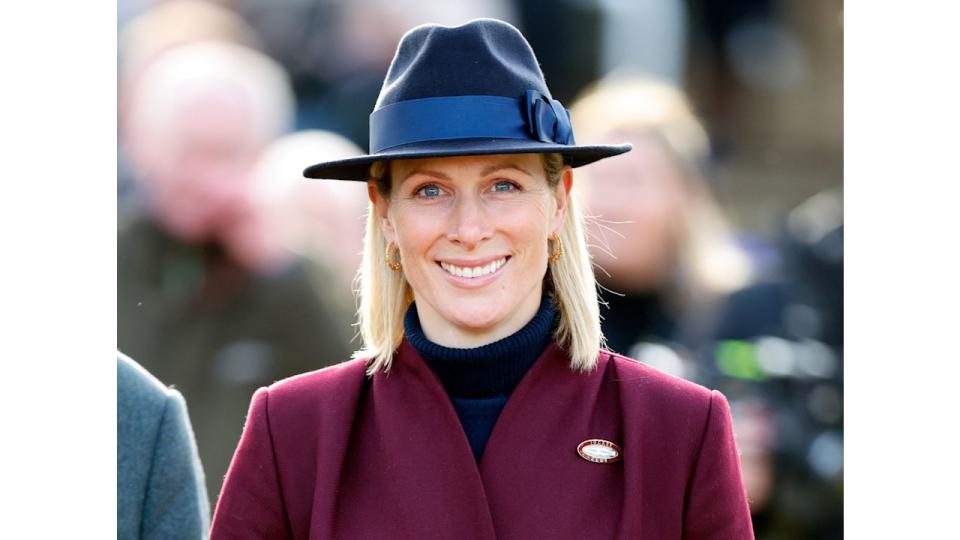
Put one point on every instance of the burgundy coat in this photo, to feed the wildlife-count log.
(335, 454)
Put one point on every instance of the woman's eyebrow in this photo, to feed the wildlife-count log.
(425, 172)
(499, 166)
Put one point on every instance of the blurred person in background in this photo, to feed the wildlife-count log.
(160, 488)
(161, 27)
(209, 299)
(663, 247)
(319, 220)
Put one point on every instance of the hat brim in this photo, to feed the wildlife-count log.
(358, 168)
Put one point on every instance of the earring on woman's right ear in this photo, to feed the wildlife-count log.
(557, 251)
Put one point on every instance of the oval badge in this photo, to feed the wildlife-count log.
(599, 451)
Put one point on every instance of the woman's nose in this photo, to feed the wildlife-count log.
(469, 223)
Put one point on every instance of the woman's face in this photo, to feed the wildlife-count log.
(473, 238)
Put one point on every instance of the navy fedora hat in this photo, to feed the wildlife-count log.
(473, 89)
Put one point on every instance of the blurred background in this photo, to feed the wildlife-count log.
(718, 241)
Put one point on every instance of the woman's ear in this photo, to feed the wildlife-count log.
(562, 195)
(381, 206)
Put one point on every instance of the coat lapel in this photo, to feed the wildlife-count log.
(411, 461)
(536, 483)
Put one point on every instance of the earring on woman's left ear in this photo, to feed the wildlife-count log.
(388, 255)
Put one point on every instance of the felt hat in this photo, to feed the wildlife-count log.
(468, 90)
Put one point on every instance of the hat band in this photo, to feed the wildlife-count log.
(534, 117)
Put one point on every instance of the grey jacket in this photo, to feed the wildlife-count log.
(160, 486)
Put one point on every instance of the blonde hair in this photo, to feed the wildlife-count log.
(385, 294)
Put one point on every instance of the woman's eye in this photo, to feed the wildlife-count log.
(503, 186)
(429, 192)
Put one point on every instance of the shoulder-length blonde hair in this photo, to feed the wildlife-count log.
(385, 294)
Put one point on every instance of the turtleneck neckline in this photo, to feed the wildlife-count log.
(490, 370)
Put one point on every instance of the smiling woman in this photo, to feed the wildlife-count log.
(483, 404)
(454, 219)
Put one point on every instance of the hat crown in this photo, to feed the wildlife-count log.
(474, 89)
(484, 57)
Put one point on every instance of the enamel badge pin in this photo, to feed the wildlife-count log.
(599, 451)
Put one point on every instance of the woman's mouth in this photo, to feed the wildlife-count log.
(471, 272)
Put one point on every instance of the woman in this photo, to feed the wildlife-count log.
(483, 405)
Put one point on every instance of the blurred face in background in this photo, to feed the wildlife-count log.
(642, 196)
(324, 220)
(473, 238)
(196, 164)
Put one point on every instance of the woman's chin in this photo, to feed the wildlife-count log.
(477, 322)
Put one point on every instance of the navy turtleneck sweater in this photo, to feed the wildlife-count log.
(479, 380)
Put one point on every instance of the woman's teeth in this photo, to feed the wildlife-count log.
(475, 271)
